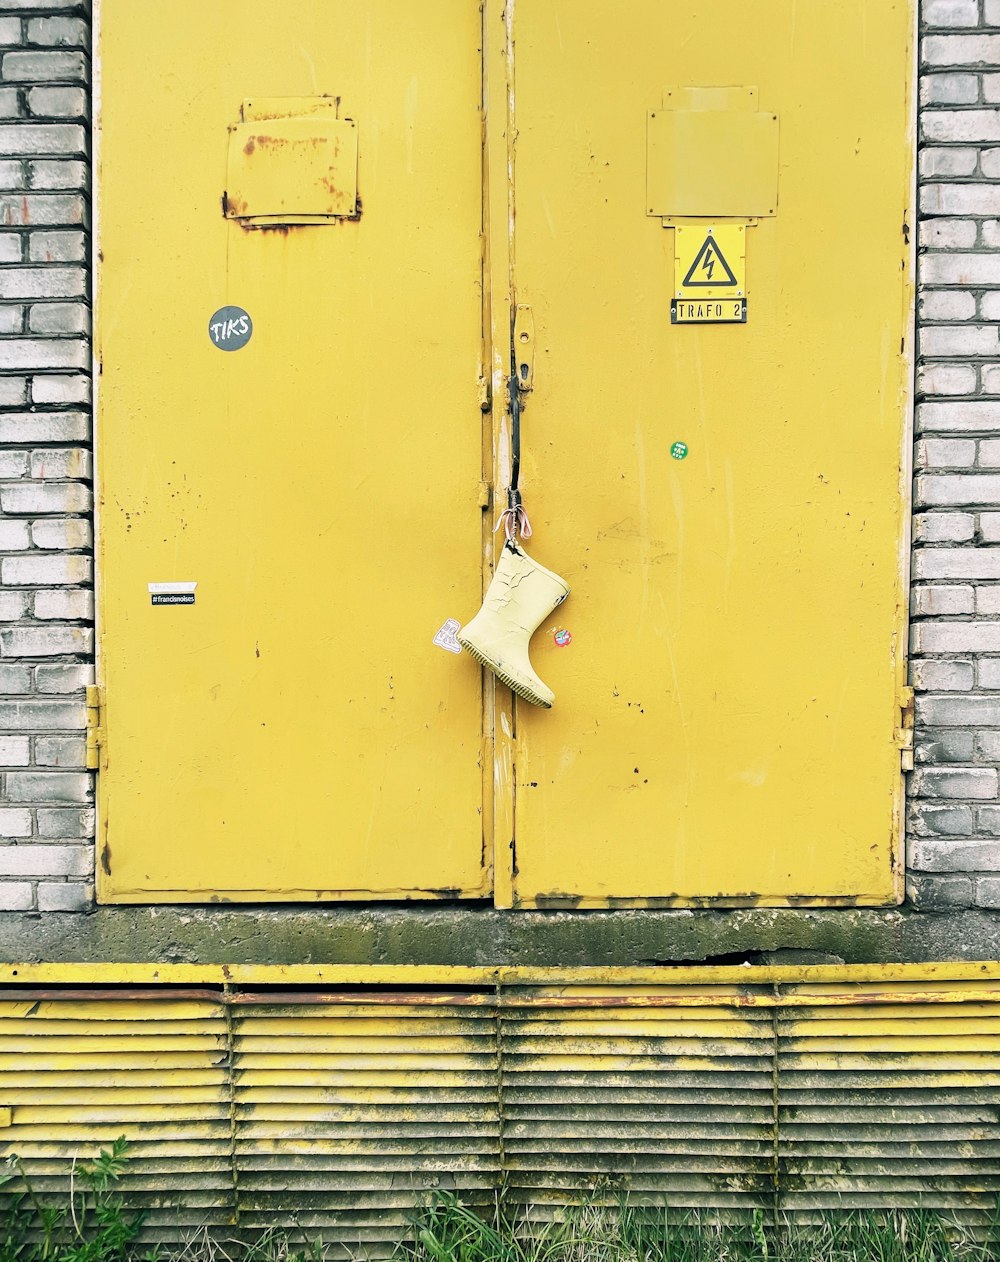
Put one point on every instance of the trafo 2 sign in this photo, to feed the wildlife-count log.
(709, 274)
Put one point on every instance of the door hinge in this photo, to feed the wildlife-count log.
(485, 390)
(485, 495)
(95, 732)
(904, 733)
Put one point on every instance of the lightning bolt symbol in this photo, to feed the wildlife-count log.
(708, 263)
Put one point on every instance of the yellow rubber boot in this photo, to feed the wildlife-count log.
(521, 595)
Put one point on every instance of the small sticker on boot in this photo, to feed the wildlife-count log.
(445, 638)
(562, 637)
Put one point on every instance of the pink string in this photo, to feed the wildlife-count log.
(515, 522)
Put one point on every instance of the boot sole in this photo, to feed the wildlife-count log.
(521, 690)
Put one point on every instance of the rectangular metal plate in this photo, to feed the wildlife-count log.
(287, 168)
(712, 163)
(708, 311)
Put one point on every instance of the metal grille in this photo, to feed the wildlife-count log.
(351, 1109)
(886, 1103)
(79, 1070)
(665, 1097)
(339, 1113)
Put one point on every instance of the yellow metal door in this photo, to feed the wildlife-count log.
(727, 500)
(293, 732)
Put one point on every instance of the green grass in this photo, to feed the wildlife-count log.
(91, 1223)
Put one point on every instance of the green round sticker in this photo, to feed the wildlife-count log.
(679, 451)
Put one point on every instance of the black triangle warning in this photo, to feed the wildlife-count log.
(710, 265)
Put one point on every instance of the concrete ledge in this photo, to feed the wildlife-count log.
(485, 937)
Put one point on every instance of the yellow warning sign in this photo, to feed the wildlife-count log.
(709, 274)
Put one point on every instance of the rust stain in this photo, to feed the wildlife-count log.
(106, 858)
(249, 147)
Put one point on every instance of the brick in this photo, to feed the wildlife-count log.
(989, 453)
(57, 823)
(929, 563)
(66, 462)
(64, 535)
(12, 606)
(991, 87)
(989, 161)
(942, 378)
(988, 598)
(14, 751)
(60, 390)
(989, 527)
(48, 138)
(989, 307)
(991, 378)
(991, 12)
(987, 746)
(942, 339)
(41, 210)
(938, 854)
(947, 304)
(69, 605)
(42, 497)
(48, 786)
(13, 464)
(51, 173)
(11, 320)
(941, 711)
(961, 50)
(923, 892)
(957, 199)
(61, 751)
(939, 453)
(43, 67)
(943, 527)
(933, 675)
(954, 782)
(934, 601)
(14, 679)
(944, 13)
(947, 234)
(970, 417)
(67, 32)
(949, 89)
(41, 860)
(943, 637)
(956, 126)
(13, 535)
(13, 391)
(59, 317)
(948, 161)
(934, 745)
(43, 716)
(960, 269)
(988, 891)
(989, 672)
(10, 247)
(933, 820)
(50, 641)
(15, 822)
(42, 282)
(10, 30)
(62, 679)
(60, 247)
(11, 174)
(72, 103)
(18, 354)
(16, 896)
(948, 489)
(988, 820)
(45, 569)
(44, 427)
(65, 895)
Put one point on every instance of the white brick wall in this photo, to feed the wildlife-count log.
(46, 597)
(46, 602)
(954, 812)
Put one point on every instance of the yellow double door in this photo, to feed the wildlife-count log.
(726, 500)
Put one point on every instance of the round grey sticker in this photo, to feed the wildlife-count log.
(230, 328)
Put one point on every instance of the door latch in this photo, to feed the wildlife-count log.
(524, 348)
